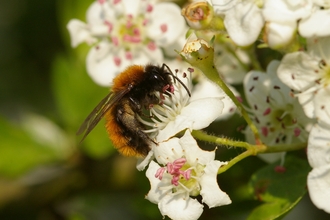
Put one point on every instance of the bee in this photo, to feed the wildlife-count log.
(133, 91)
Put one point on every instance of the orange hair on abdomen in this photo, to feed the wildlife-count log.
(115, 132)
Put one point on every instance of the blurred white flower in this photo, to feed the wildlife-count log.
(243, 20)
(126, 32)
(226, 61)
(281, 18)
(317, 24)
(318, 152)
(185, 170)
(278, 115)
(307, 73)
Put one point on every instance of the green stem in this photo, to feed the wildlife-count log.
(285, 147)
(254, 59)
(213, 75)
(233, 161)
(251, 150)
(200, 135)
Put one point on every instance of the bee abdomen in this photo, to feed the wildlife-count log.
(125, 131)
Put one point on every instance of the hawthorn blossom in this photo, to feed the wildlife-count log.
(179, 112)
(281, 18)
(307, 74)
(125, 32)
(243, 20)
(278, 115)
(184, 170)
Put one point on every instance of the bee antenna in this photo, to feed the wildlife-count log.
(176, 78)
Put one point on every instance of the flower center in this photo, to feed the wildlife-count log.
(128, 31)
(283, 118)
(183, 176)
(323, 65)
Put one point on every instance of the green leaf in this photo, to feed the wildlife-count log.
(279, 191)
(76, 96)
(19, 152)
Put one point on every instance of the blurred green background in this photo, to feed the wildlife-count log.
(45, 95)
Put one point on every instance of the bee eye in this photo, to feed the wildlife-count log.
(157, 77)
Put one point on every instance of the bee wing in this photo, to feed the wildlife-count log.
(98, 112)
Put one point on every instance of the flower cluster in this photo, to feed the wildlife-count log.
(124, 32)
(287, 102)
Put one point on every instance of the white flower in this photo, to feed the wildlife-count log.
(282, 18)
(307, 73)
(186, 171)
(230, 69)
(243, 20)
(126, 32)
(179, 112)
(279, 116)
(318, 152)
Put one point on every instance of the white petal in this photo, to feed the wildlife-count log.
(244, 23)
(167, 14)
(131, 7)
(168, 151)
(171, 49)
(142, 163)
(203, 112)
(227, 64)
(318, 182)
(222, 6)
(256, 87)
(180, 208)
(280, 34)
(319, 49)
(297, 71)
(97, 13)
(212, 195)
(144, 56)
(100, 64)
(205, 88)
(155, 193)
(316, 25)
(284, 11)
(282, 95)
(79, 33)
(318, 150)
(193, 153)
(195, 116)
(306, 100)
(322, 105)
(322, 3)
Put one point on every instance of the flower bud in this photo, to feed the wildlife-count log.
(198, 15)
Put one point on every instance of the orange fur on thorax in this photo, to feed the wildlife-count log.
(132, 74)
